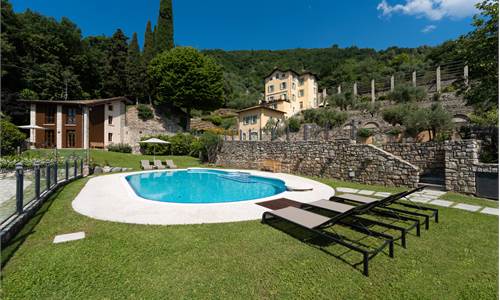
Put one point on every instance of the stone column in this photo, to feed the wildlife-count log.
(59, 127)
(438, 79)
(85, 127)
(355, 89)
(339, 89)
(324, 97)
(373, 90)
(414, 78)
(32, 123)
(392, 83)
(466, 75)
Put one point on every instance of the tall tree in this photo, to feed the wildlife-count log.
(135, 69)
(164, 36)
(187, 79)
(149, 47)
(481, 50)
(115, 82)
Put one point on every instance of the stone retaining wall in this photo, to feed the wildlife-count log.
(429, 157)
(335, 159)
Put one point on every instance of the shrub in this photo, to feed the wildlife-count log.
(214, 119)
(122, 148)
(393, 131)
(159, 149)
(10, 137)
(228, 122)
(325, 117)
(144, 112)
(365, 132)
(406, 94)
(211, 144)
(28, 94)
(293, 124)
(180, 144)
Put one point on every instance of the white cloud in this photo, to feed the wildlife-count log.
(428, 28)
(431, 9)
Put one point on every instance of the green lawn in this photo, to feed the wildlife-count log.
(456, 259)
(115, 159)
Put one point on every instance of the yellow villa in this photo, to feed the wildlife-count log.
(252, 120)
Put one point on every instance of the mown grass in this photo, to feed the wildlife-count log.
(455, 259)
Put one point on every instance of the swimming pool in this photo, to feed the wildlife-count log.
(203, 186)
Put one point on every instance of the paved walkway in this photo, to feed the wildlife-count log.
(428, 197)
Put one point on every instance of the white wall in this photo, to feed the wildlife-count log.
(116, 128)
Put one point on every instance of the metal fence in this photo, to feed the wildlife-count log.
(26, 185)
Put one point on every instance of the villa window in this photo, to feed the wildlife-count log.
(283, 86)
(301, 82)
(301, 93)
(283, 75)
(277, 75)
(283, 97)
(274, 106)
(110, 137)
(270, 89)
(71, 116)
(110, 120)
(293, 85)
(110, 107)
(50, 115)
(293, 97)
(271, 98)
(244, 136)
(301, 104)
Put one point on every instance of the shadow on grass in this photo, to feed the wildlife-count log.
(29, 228)
(319, 242)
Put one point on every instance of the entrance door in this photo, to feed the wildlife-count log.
(70, 139)
(49, 138)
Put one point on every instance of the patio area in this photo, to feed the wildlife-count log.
(457, 258)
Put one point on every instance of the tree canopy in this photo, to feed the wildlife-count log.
(188, 79)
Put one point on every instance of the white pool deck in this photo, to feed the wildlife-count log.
(111, 198)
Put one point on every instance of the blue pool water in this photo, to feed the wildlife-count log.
(203, 186)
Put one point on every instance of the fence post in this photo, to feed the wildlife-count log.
(250, 134)
(67, 169)
(466, 75)
(438, 79)
(355, 89)
(19, 188)
(373, 90)
(55, 172)
(241, 134)
(414, 78)
(76, 169)
(36, 166)
(81, 167)
(47, 174)
(392, 83)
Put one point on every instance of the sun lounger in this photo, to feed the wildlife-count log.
(158, 164)
(145, 165)
(340, 208)
(393, 199)
(315, 223)
(170, 164)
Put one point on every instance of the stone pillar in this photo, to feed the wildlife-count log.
(86, 127)
(392, 83)
(438, 79)
(32, 123)
(339, 89)
(324, 97)
(59, 127)
(466, 75)
(414, 78)
(355, 89)
(373, 90)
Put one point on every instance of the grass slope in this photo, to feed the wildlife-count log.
(456, 259)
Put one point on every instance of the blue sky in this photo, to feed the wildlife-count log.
(278, 24)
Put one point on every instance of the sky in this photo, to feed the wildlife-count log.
(277, 24)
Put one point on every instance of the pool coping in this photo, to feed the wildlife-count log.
(111, 198)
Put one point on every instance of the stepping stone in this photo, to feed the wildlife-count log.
(467, 207)
(69, 237)
(419, 199)
(490, 211)
(434, 193)
(366, 192)
(382, 194)
(346, 190)
(441, 203)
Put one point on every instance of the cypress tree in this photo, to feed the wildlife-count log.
(149, 47)
(135, 69)
(164, 37)
(115, 80)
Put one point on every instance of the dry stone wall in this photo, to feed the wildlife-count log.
(429, 157)
(340, 160)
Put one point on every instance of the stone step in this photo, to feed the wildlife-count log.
(431, 186)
